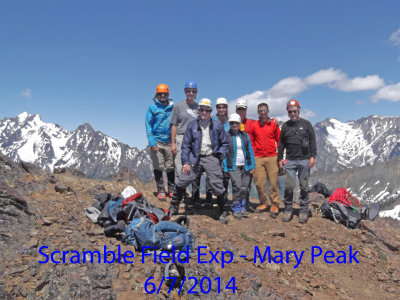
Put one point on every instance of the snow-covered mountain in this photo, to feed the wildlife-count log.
(356, 143)
(362, 155)
(28, 138)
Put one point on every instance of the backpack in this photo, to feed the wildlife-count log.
(343, 207)
(137, 206)
(161, 236)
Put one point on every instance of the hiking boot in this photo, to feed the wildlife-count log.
(244, 214)
(162, 196)
(189, 207)
(173, 209)
(261, 208)
(237, 215)
(303, 217)
(223, 218)
(208, 205)
(274, 211)
(287, 215)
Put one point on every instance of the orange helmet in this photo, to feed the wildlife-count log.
(292, 102)
(162, 88)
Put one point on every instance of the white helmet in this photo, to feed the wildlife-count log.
(205, 102)
(221, 101)
(241, 103)
(235, 118)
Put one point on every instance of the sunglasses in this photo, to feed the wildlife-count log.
(191, 91)
(292, 111)
(221, 107)
(241, 108)
(262, 110)
(162, 94)
(205, 110)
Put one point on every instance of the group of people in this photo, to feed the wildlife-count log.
(186, 140)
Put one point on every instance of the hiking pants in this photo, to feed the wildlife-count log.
(177, 159)
(212, 166)
(163, 159)
(196, 189)
(158, 176)
(240, 182)
(302, 169)
(267, 167)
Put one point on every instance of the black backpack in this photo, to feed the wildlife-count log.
(339, 213)
(344, 208)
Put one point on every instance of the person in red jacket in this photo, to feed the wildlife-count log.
(264, 135)
(241, 110)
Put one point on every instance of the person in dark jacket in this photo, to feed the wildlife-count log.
(203, 149)
(238, 165)
(158, 131)
(298, 139)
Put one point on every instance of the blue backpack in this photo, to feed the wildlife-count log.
(161, 236)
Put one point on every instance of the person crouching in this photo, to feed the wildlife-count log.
(203, 149)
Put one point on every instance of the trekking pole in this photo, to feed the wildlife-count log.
(130, 213)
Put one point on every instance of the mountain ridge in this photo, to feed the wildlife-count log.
(341, 146)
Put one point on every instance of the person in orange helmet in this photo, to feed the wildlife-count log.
(158, 131)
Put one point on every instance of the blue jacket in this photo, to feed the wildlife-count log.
(158, 128)
(191, 144)
(226, 124)
(249, 159)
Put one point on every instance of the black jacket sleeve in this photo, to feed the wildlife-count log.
(281, 146)
(312, 140)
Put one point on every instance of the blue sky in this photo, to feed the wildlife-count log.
(100, 61)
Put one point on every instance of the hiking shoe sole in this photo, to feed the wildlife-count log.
(237, 215)
(273, 214)
(303, 218)
(287, 216)
(260, 209)
(245, 214)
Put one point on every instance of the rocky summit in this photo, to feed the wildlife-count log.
(254, 258)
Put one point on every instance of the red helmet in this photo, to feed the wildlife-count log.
(162, 88)
(292, 102)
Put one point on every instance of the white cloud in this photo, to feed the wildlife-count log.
(371, 82)
(395, 37)
(288, 88)
(325, 76)
(389, 92)
(26, 93)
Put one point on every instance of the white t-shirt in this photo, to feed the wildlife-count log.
(239, 152)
